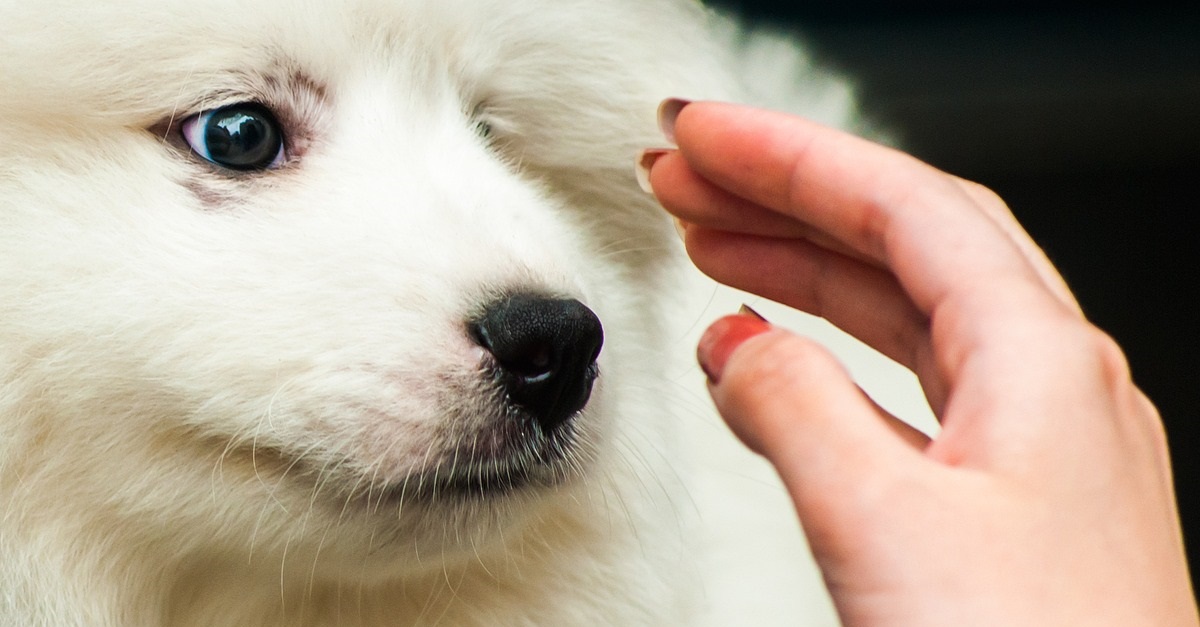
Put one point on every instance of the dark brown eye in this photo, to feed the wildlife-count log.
(244, 136)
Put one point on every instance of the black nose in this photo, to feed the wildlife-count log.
(546, 349)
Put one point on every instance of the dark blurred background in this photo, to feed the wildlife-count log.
(1086, 119)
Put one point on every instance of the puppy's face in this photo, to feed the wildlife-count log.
(330, 279)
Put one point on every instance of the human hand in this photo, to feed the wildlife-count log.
(1046, 498)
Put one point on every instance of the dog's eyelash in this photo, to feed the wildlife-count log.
(483, 121)
(483, 128)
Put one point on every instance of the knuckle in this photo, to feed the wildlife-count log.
(984, 195)
(1094, 355)
(1112, 357)
(1108, 357)
(1157, 430)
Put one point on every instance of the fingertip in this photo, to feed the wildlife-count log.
(754, 387)
(723, 337)
(644, 164)
(790, 399)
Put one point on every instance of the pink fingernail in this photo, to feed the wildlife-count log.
(668, 111)
(643, 165)
(723, 337)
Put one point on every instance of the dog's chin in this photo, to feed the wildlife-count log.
(473, 461)
(535, 463)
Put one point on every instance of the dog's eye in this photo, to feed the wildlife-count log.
(242, 136)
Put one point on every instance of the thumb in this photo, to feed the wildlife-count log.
(790, 400)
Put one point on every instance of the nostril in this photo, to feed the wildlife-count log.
(529, 356)
(546, 350)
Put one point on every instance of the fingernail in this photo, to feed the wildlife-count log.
(745, 310)
(680, 228)
(668, 110)
(644, 163)
(723, 337)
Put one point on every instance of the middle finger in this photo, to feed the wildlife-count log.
(863, 300)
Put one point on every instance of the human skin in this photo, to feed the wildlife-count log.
(1045, 499)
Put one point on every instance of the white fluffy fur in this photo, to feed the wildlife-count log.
(198, 369)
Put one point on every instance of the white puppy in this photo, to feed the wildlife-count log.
(351, 313)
